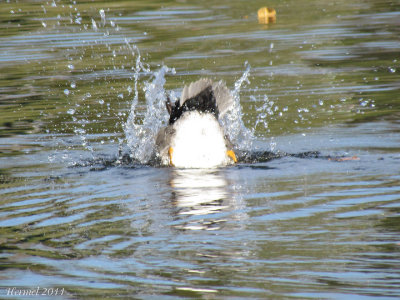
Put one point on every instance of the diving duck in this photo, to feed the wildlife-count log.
(194, 137)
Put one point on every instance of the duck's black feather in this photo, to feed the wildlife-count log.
(204, 101)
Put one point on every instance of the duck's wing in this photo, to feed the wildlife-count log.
(202, 102)
(194, 89)
(163, 140)
(221, 93)
(223, 97)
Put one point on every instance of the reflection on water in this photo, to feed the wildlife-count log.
(199, 192)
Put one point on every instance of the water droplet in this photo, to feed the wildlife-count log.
(121, 96)
(66, 92)
(71, 111)
(44, 24)
(80, 131)
(71, 66)
(73, 85)
(303, 110)
(392, 70)
(321, 102)
(103, 16)
(101, 101)
(94, 25)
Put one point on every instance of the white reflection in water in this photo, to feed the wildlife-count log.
(199, 195)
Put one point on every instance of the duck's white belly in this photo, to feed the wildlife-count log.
(198, 142)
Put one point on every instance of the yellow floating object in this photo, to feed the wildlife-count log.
(266, 15)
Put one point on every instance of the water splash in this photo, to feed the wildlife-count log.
(94, 26)
(146, 117)
(103, 17)
(237, 132)
(141, 131)
(264, 111)
(141, 136)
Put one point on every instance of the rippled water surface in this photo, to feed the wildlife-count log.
(310, 211)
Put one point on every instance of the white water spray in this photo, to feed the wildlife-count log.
(141, 135)
(147, 117)
(239, 135)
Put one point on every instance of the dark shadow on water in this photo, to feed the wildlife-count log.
(255, 157)
(250, 159)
